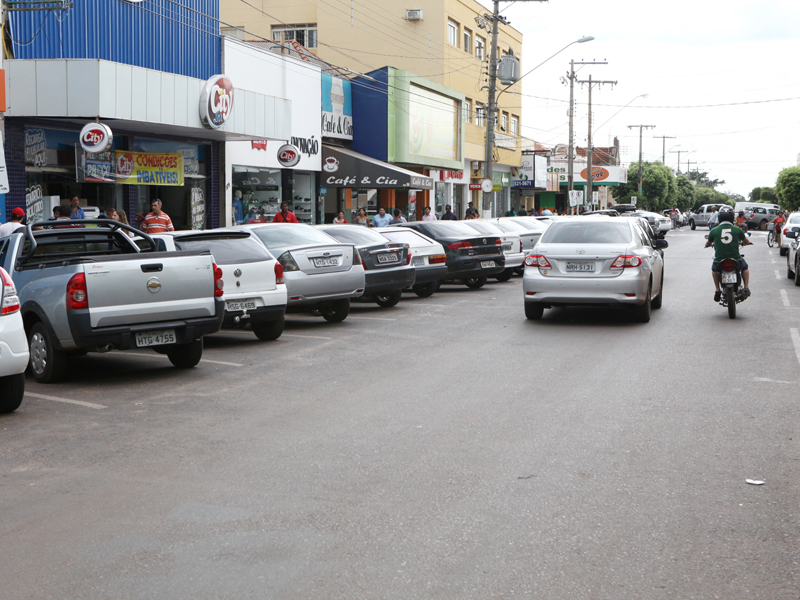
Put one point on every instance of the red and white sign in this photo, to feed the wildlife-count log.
(288, 155)
(124, 165)
(216, 102)
(448, 175)
(474, 186)
(598, 174)
(259, 144)
(96, 137)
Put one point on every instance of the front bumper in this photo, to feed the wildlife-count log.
(381, 281)
(629, 288)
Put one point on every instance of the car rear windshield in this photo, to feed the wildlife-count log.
(79, 241)
(510, 226)
(227, 249)
(405, 236)
(354, 234)
(449, 228)
(280, 236)
(531, 224)
(587, 233)
(485, 228)
(794, 218)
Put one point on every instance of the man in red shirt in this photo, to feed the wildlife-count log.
(285, 216)
(157, 221)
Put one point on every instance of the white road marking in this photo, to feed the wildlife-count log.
(768, 380)
(785, 298)
(206, 360)
(311, 337)
(777, 274)
(796, 341)
(66, 401)
(371, 318)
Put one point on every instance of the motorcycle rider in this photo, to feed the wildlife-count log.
(725, 238)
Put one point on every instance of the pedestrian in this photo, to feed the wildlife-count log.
(157, 221)
(398, 218)
(362, 218)
(123, 218)
(285, 216)
(546, 212)
(428, 216)
(17, 216)
(448, 214)
(64, 213)
(76, 212)
(339, 219)
(522, 212)
(381, 219)
(713, 220)
(471, 210)
(534, 213)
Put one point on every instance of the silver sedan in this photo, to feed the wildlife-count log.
(594, 261)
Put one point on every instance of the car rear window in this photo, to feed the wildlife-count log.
(794, 218)
(354, 234)
(449, 228)
(405, 236)
(228, 249)
(511, 226)
(485, 228)
(531, 224)
(582, 232)
(279, 236)
(78, 242)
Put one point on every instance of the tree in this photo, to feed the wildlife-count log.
(658, 187)
(734, 198)
(684, 193)
(768, 195)
(701, 178)
(706, 195)
(788, 188)
(755, 194)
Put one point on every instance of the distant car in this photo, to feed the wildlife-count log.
(321, 273)
(13, 347)
(651, 235)
(759, 216)
(660, 224)
(792, 224)
(610, 212)
(428, 258)
(594, 261)
(471, 257)
(387, 265)
(512, 245)
(528, 235)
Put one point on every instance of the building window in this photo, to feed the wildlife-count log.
(305, 35)
(452, 32)
(234, 32)
(480, 115)
(480, 47)
(467, 41)
(504, 122)
(514, 124)
(467, 110)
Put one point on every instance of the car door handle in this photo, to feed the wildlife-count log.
(152, 268)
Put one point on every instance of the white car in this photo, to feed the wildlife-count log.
(14, 355)
(427, 256)
(792, 224)
(659, 223)
(255, 292)
(512, 245)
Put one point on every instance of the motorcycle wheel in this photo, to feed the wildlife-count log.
(731, 300)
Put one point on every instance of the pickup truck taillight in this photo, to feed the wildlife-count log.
(218, 283)
(279, 273)
(10, 298)
(77, 296)
(408, 260)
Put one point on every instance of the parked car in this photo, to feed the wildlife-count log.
(529, 236)
(428, 258)
(321, 273)
(759, 216)
(608, 212)
(90, 289)
(471, 258)
(792, 224)
(511, 242)
(387, 265)
(660, 224)
(793, 256)
(651, 235)
(594, 261)
(13, 347)
(256, 293)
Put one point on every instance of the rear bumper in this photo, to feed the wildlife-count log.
(389, 280)
(308, 290)
(565, 291)
(13, 345)
(471, 267)
(431, 273)
(514, 260)
(256, 315)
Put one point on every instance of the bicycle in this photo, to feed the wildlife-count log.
(773, 237)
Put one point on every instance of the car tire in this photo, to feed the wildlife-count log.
(388, 300)
(783, 251)
(267, 331)
(797, 270)
(642, 312)
(659, 300)
(534, 311)
(505, 275)
(336, 311)
(474, 283)
(425, 290)
(789, 271)
(186, 356)
(12, 389)
(692, 225)
(520, 270)
(47, 363)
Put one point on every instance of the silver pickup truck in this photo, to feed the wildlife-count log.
(90, 289)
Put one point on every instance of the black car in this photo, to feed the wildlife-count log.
(387, 265)
(471, 258)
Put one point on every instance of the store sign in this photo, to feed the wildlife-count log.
(198, 203)
(96, 137)
(288, 155)
(598, 174)
(307, 146)
(259, 145)
(474, 186)
(524, 177)
(35, 147)
(149, 168)
(337, 108)
(432, 124)
(346, 169)
(448, 175)
(216, 101)
(34, 204)
(98, 166)
(610, 175)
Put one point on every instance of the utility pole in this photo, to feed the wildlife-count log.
(688, 168)
(589, 178)
(664, 139)
(678, 152)
(641, 128)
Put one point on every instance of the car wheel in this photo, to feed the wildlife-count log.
(783, 251)
(692, 225)
(642, 312)
(186, 356)
(388, 300)
(47, 363)
(520, 270)
(425, 290)
(505, 275)
(789, 271)
(658, 300)
(336, 311)
(12, 389)
(267, 331)
(797, 270)
(533, 311)
(475, 282)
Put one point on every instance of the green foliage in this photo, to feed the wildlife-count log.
(787, 188)
(768, 195)
(707, 195)
(734, 198)
(755, 194)
(684, 193)
(659, 190)
(701, 179)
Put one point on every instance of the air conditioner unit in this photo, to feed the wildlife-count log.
(414, 14)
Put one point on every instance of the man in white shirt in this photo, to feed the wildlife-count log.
(17, 215)
(428, 216)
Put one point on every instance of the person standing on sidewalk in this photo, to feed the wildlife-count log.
(157, 221)
(285, 216)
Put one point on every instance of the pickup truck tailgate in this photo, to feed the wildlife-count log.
(160, 286)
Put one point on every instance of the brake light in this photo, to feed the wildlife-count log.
(77, 295)
(279, 273)
(623, 262)
(785, 230)
(408, 260)
(10, 298)
(457, 245)
(537, 260)
(728, 265)
(437, 259)
(520, 245)
(498, 243)
(218, 283)
(288, 264)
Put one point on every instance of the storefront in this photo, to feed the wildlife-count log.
(529, 181)
(453, 188)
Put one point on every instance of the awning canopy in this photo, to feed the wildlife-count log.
(348, 169)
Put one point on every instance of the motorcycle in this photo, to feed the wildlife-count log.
(730, 283)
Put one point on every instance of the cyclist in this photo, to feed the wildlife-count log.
(741, 221)
(726, 238)
(779, 220)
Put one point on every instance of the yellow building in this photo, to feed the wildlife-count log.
(446, 41)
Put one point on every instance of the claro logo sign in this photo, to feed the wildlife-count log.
(216, 102)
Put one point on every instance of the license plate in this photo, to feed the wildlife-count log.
(419, 261)
(390, 257)
(487, 264)
(506, 247)
(155, 338)
(728, 277)
(326, 262)
(240, 305)
(580, 267)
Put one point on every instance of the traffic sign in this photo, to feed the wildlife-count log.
(633, 200)
(487, 185)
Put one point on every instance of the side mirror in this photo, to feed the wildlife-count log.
(661, 244)
(791, 234)
(661, 236)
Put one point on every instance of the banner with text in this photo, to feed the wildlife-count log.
(149, 168)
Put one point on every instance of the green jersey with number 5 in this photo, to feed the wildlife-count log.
(726, 238)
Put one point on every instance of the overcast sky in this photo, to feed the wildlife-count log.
(683, 54)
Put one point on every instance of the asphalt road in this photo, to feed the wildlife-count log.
(445, 448)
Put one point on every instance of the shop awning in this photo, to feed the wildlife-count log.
(348, 169)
